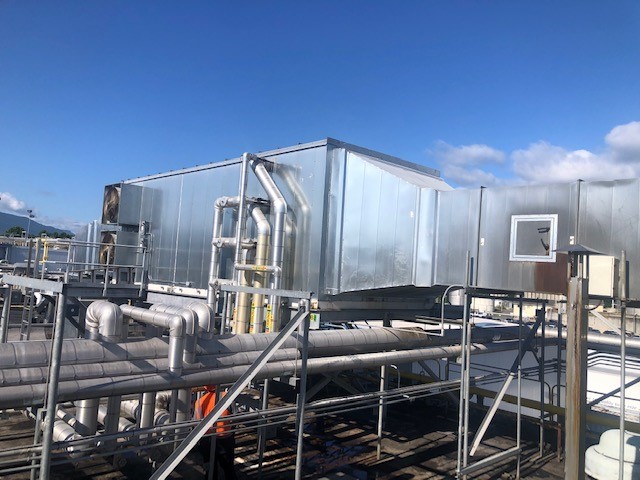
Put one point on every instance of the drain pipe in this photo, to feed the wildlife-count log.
(259, 278)
(103, 322)
(279, 211)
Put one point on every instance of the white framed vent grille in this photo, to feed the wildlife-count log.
(533, 238)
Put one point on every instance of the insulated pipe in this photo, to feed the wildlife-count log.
(103, 322)
(25, 395)
(76, 352)
(241, 322)
(259, 278)
(36, 375)
(601, 342)
(214, 265)
(241, 223)
(87, 416)
(63, 432)
(6, 311)
(243, 305)
(190, 320)
(204, 314)
(130, 409)
(174, 323)
(147, 409)
(124, 425)
(279, 211)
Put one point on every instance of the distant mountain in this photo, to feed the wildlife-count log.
(8, 220)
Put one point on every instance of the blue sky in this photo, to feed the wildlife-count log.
(92, 92)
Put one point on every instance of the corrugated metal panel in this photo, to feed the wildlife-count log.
(457, 233)
(495, 270)
(609, 222)
(378, 230)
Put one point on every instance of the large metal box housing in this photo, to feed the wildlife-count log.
(362, 224)
(354, 219)
(601, 215)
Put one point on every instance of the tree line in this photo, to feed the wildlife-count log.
(19, 231)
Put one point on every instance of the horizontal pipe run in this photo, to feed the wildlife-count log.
(491, 460)
(25, 395)
(36, 375)
(246, 243)
(249, 267)
(36, 353)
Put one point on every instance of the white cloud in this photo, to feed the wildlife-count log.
(545, 163)
(624, 142)
(475, 154)
(9, 203)
(470, 177)
(542, 162)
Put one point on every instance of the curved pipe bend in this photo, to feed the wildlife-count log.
(190, 320)
(205, 317)
(175, 324)
(104, 321)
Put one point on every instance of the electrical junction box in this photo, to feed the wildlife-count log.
(603, 276)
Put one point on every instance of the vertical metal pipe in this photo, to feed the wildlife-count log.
(223, 317)
(279, 212)
(243, 306)
(262, 432)
(541, 365)
(112, 417)
(214, 265)
(36, 259)
(576, 378)
(381, 408)
(467, 375)
(87, 416)
(6, 312)
(558, 384)
(302, 396)
(463, 406)
(622, 293)
(242, 205)
(52, 388)
(519, 400)
(147, 410)
(184, 403)
(259, 278)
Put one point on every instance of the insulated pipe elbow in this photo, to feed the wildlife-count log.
(279, 210)
(204, 314)
(104, 321)
(262, 224)
(174, 323)
(189, 318)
